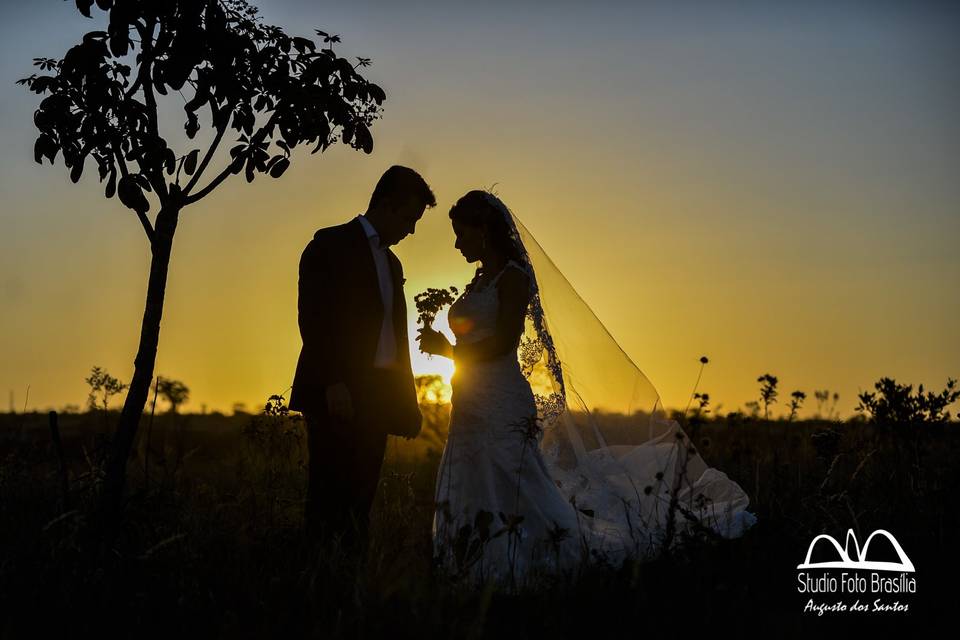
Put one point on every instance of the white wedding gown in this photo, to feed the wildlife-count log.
(489, 463)
(509, 505)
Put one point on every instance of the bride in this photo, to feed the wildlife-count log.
(558, 452)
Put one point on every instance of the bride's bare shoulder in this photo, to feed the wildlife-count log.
(514, 281)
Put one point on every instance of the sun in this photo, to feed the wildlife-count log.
(424, 364)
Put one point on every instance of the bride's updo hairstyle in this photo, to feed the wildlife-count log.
(475, 209)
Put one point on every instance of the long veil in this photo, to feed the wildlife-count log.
(632, 474)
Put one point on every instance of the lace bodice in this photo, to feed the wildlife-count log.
(473, 316)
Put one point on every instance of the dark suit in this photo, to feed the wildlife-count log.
(340, 313)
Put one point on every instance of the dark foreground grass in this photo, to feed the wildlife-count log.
(212, 544)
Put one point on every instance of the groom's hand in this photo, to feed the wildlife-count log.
(339, 404)
(412, 435)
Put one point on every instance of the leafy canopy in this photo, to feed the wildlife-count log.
(102, 97)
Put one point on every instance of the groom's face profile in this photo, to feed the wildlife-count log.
(401, 218)
(398, 203)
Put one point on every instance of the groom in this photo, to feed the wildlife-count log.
(353, 383)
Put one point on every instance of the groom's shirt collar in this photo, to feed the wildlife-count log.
(386, 355)
(370, 231)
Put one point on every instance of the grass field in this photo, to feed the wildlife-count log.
(212, 543)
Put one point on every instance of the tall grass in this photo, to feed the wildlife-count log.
(213, 545)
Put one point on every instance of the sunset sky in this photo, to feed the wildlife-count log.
(773, 186)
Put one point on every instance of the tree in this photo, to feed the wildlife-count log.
(174, 392)
(272, 89)
(104, 384)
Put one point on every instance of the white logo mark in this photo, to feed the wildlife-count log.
(858, 560)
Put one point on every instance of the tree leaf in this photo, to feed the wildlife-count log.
(111, 184)
(192, 125)
(131, 195)
(376, 93)
(84, 7)
(135, 153)
(94, 35)
(277, 170)
(156, 74)
(119, 37)
(200, 97)
(169, 160)
(363, 139)
(40, 148)
(190, 163)
(141, 180)
(76, 171)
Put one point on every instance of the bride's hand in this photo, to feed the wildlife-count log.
(433, 342)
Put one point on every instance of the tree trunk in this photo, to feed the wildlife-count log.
(111, 499)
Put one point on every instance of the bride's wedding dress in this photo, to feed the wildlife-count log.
(560, 453)
(491, 470)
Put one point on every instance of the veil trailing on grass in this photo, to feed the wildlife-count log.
(631, 473)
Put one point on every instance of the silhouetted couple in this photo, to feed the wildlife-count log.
(557, 451)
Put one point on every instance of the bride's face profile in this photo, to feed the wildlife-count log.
(470, 240)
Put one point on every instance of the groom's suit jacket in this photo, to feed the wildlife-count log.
(340, 313)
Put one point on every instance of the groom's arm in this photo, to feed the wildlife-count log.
(315, 312)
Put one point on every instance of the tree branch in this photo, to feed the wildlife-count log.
(255, 140)
(213, 147)
(147, 227)
(133, 89)
(144, 78)
(146, 35)
(210, 187)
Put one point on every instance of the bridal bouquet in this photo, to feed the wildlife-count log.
(430, 302)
